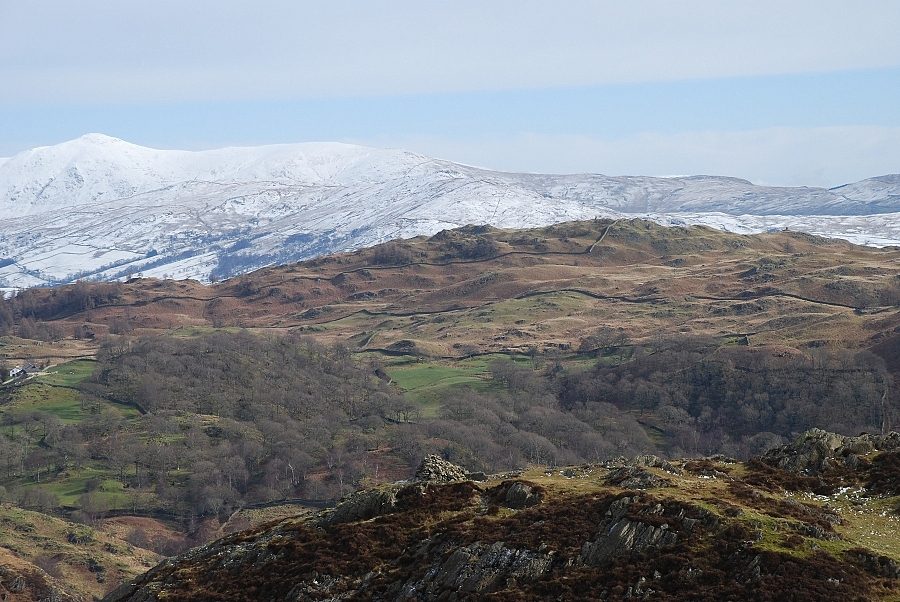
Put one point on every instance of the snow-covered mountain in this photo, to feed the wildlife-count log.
(101, 207)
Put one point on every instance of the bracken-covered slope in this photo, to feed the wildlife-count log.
(488, 290)
(46, 558)
(103, 208)
(814, 520)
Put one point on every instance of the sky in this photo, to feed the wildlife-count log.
(792, 93)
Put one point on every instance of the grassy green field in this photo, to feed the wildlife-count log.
(427, 381)
(71, 486)
(69, 374)
(55, 393)
(65, 404)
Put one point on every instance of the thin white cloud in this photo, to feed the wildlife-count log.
(824, 156)
(58, 50)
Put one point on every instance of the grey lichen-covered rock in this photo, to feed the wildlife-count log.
(633, 477)
(435, 468)
(519, 495)
(478, 568)
(624, 532)
(816, 450)
(651, 461)
(361, 505)
(626, 537)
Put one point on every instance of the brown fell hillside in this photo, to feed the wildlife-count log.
(479, 289)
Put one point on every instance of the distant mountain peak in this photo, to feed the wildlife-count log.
(101, 207)
(98, 138)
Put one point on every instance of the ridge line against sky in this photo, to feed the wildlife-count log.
(800, 93)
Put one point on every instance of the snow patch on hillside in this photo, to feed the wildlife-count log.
(100, 207)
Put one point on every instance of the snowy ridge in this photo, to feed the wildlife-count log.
(100, 207)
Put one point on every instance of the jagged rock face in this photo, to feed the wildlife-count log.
(624, 534)
(435, 468)
(816, 450)
(361, 505)
(478, 568)
(437, 543)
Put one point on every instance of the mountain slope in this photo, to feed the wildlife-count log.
(103, 208)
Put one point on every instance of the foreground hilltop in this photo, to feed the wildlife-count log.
(103, 208)
(812, 520)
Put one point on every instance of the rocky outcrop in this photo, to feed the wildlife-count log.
(435, 468)
(651, 461)
(627, 530)
(476, 569)
(816, 450)
(633, 477)
(563, 535)
(875, 564)
(361, 505)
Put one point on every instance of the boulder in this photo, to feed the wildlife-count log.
(651, 461)
(361, 505)
(520, 495)
(633, 477)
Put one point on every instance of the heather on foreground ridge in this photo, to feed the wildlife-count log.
(700, 529)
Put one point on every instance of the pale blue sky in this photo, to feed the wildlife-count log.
(803, 94)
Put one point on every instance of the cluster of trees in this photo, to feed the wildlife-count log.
(40, 331)
(739, 400)
(520, 421)
(392, 253)
(233, 418)
(46, 304)
(242, 377)
(468, 242)
(226, 419)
